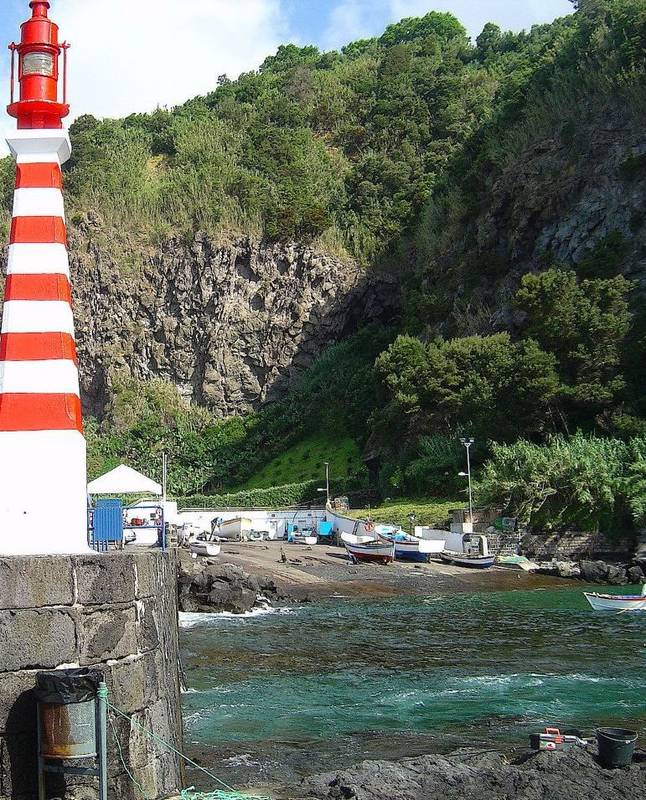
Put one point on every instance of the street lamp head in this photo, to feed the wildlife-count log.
(462, 475)
(467, 440)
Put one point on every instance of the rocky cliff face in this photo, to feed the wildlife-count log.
(229, 323)
(573, 188)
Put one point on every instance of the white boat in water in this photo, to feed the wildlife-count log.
(617, 602)
(368, 548)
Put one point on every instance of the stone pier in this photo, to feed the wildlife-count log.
(116, 612)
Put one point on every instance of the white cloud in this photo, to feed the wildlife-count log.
(474, 14)
(133, 55)
(349, 20)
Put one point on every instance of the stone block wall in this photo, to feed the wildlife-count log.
(576, 547)
(116, 612)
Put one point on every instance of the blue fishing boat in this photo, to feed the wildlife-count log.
(407, 548)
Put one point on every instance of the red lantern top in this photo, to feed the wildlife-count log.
(38, 55)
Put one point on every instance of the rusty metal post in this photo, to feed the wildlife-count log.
(102, 738)
(41, 763)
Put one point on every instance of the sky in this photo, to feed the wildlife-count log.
(135, 55)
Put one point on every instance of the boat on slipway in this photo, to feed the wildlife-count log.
(617, 602)
(473, 561)
(204, 546)
(368, 549)
(468, 550)
(408, 548)
(236, 530)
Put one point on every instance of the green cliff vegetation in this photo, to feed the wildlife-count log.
(388, 151)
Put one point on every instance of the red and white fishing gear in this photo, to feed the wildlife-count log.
(43, 501)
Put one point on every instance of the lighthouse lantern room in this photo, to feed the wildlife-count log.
(43, 501)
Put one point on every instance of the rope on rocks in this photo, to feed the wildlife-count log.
(226, 793)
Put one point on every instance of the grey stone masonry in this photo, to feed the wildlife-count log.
(116, 612)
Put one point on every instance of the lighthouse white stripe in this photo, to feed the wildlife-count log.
(37, 316)
(36, 259)
(38, 203)
(38, 158)
(38, 377)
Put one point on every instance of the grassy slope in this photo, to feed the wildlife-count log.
(305, 461)
(430, 511)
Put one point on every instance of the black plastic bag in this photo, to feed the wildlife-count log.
(66, 686)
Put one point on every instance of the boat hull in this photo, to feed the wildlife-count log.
(616, 603)
(374, 555)
(412, 551)
(211, 549)
(366, 549)
(411, 555)
(465, 560)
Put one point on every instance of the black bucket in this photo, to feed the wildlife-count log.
(616, 746)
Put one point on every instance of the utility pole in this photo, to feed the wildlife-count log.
(467, 441)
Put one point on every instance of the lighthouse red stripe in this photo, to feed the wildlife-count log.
(38, 230)
(39, 176)
(38, 287)
(40, 412)
(37, 347)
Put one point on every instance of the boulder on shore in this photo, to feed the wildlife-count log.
(594, 571)
(209, 586)
(469, 775)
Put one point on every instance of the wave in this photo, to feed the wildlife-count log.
(191, 619)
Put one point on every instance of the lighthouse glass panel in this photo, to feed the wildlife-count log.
(38, 64)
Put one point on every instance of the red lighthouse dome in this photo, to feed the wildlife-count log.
(39, 52)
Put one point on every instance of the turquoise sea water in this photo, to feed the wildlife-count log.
(316, 687)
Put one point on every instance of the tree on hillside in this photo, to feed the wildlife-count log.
(490, 385)
(436, 23)
(584, 324)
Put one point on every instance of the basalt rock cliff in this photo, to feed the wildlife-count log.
(229, 323)
(571, 195)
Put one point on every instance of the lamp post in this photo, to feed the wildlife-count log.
(327, 484)
(467, 441)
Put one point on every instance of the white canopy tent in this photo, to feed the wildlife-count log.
(124, 480)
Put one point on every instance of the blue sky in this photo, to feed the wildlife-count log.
(132, 55)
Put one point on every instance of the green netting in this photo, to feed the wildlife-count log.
(190, 794)
(226, 793)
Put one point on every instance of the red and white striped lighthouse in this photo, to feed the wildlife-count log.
(43, 506)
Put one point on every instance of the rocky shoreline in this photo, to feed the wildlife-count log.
(209, 586)
(474, 775)
(251, 576)
(600, 572)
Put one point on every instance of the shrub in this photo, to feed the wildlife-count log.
(584, 482)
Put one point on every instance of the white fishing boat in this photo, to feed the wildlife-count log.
(368, 548)
(407, 548)
(467, 560)
(237, 530)
(435, 536)
(205, 547)
(468, 550)
(412, 549)
(617, 602)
